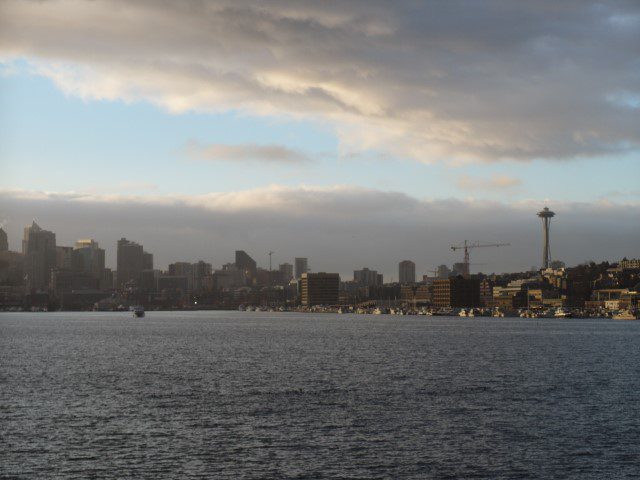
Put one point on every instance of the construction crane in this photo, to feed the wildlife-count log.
(468, 246)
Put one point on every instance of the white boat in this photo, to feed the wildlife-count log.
(562, 313)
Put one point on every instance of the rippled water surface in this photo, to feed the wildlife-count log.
(258, 395)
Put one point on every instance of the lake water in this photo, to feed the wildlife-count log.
(260, 395)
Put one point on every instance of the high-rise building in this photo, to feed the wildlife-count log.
(407, 272)
(39, 249)
(200, 271)
(247, 264)
(319, 288)
(456, 292)
(130, 262)
(147, 261)
(182, 269)
(367, 278)
(301, 266)
(286, 269)
(64, 258)
(4, 242)
(89, 258)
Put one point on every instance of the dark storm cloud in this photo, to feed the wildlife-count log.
(431, 81)
(338, 228)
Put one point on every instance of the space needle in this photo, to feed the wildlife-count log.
(545, 214)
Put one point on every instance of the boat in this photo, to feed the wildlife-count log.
(624, 315)
(562, 313)
(138, 311)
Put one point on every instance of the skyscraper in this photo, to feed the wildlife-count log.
(247, 264)
(367, 278)
(407, 272)
(286, 270)
(90, 258)
(301, 266)
(39, 249)
(4, 242)
(130, 262)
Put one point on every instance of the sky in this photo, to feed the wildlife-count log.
(355, 133)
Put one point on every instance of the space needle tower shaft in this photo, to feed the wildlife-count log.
(545, 214)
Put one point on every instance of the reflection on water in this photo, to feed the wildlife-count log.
(257, 395)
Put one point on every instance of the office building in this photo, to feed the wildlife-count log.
(456, 292)
(147, 261)
(201, 271)
(407, 272)
(39, 249)
(367, 278)
(64, 258)
(301, 266)
(319, 288)
(89, 258)
(130, 262)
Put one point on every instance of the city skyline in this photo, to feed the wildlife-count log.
(363, 132)
(393, 274)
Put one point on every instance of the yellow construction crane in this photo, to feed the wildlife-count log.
(467, 246)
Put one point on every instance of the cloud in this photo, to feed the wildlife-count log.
(496, 182)
(248, 152)
(431, 81)
(339, 228)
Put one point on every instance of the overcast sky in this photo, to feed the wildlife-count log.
(357, 133)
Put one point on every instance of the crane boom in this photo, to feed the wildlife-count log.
(468, 246)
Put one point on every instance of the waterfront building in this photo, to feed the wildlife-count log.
(301, 266)
(130, 262)
(486, 292)
(407, 272)
(456, 292)
(39, 249)
(319, 289)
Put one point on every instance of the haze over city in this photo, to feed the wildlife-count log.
(355, 136)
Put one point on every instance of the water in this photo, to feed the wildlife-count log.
(257, 395)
